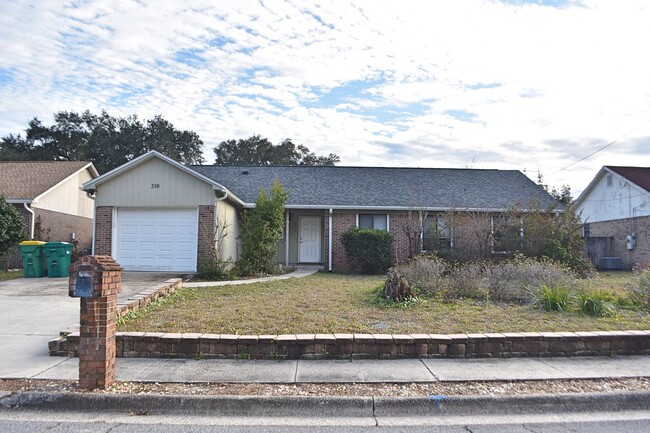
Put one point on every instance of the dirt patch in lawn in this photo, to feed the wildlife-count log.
(335, 303)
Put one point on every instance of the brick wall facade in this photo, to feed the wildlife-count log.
(206, 232)
(57, 227)
(618, 230)
(104, 230)
(343, 220)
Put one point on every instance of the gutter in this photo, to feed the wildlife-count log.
(396, 208)
(329, 242)
(91, 195)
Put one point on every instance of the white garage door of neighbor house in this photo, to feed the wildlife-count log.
(157, 239)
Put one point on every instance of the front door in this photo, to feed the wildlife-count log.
(309, 242)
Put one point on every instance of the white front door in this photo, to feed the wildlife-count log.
(309, 242)
(156, 239)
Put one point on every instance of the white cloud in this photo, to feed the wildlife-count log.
(543, 84)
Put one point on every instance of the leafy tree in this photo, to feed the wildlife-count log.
(256, 150)
(563, 195)
(12, 228)
(105, 140)
(262, 231)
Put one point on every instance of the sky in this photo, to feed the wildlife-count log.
(534, 86)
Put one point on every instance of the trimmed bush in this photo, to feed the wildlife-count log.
(369, 250)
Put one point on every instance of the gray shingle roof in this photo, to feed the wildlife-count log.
(379, 187)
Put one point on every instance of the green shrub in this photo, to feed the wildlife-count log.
(369, 250)
(597, 303)
(553, 297)
(213, 269)
(261, 232)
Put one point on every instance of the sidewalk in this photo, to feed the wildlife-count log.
(301, 271)
(362, 371)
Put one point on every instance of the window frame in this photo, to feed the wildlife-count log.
(440, 220)
(387, 215)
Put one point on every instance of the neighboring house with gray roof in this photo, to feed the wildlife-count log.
(615, 211)
(49, 195)
(154, 213)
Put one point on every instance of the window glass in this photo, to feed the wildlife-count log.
(371, 221)
(436, 233)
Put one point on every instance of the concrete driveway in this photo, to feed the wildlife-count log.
(34, 311)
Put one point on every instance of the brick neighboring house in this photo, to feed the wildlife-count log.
(154, 213)
(49, 195)
(615, 211)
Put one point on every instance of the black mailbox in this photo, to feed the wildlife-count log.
(83, 286)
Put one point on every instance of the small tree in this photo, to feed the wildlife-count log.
(369, 250)
(412, 225)
(12, 229)
(262, 231)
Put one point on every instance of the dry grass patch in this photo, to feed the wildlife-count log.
(10, 275)
(331, 303)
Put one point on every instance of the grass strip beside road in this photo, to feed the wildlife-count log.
(10, 275)
(337, 303)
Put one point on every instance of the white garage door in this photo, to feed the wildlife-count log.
(157, 239)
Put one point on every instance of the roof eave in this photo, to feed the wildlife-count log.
(92, 185)
(88, 166)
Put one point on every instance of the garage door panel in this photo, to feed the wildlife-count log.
(157, 239)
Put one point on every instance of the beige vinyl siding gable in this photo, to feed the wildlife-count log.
(67, 197)
(155, 183)
(227, 215)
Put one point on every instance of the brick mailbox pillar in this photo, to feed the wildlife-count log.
(97, 281)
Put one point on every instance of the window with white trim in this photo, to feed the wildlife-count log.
(373, 221)
(436, 233)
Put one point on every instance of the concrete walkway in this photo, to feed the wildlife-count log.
(362, 371)
(301, 271)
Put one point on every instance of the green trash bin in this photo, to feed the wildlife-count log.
(59, 258)
(32, 253)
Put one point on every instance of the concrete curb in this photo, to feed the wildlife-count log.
(324, 407)
(231, 406)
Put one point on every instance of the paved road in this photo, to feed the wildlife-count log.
(35, 310)
(92, 422)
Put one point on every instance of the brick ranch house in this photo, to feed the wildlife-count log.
(49, 195)
(154, 213)
(615, 211)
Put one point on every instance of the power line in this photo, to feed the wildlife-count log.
(599, 150)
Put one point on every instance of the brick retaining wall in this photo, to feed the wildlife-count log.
(369, 346)
(355, 346)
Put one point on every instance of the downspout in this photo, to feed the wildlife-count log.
(329, 242)
(286, 239)
(33, 220)
(91, 195)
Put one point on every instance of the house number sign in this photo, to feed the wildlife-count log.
(155, 185)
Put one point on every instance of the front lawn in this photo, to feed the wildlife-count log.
(335, 303)
(4, 276)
